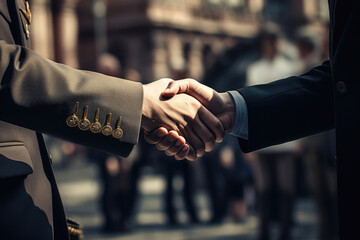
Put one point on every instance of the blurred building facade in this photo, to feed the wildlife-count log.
(162, 38)
(158, 38)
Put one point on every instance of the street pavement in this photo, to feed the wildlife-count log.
(80, 190)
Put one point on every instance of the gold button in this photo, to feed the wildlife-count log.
(73, 120)
(118, 132)
(107, 129)
(84, 123)
(95, 127)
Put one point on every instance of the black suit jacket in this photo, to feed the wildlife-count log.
(37, 96)
(326, 97)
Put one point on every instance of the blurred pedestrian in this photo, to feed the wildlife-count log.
(237, 174)
(119, 175)
(274, 167)
(184, 169)
(318, 151)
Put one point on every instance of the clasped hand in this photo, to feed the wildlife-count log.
(185, 118)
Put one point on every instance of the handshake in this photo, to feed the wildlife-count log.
(185, 118)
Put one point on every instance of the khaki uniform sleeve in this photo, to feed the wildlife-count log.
(39, 94)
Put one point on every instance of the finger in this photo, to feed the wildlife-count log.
(174, 88)
(202, 93)
(180, 86)
(188, 134)
(212, 123)
(183, 153)
(175, 148)
(156, 135)
(191, 156)
(193, 139)
(204, 134)
(168, 141)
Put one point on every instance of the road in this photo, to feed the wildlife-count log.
(80, 190)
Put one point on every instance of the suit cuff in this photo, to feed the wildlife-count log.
(241, 119)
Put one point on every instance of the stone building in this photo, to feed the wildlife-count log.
(162, 38)
(157, 38)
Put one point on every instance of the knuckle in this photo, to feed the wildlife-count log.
(210, 148)
(191, 80)
(173, 150)
(172, 84)
(201, 153)
(153, 141)
(200, 150)
(220, 129)
(218, 124)
(211, 144)
(210, 139)
(169, 153)
(161, 147)
(199, 145)
(176, 149)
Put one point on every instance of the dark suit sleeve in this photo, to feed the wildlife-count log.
(289, 109)
(39, 94)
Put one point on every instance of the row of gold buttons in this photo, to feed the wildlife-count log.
(84, 124)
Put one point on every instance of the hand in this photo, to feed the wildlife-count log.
(168, 141)
(220, 104)
(183, 114)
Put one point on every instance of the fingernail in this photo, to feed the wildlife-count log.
(160, 134)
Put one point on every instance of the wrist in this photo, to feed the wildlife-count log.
(229, 111)
(146, 110)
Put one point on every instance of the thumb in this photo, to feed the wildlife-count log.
(175, 87)
(191, 87)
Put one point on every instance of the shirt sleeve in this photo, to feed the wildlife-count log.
(241, 119)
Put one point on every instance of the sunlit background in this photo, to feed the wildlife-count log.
(286, 192)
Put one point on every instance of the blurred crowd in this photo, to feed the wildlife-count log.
(267, 182)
